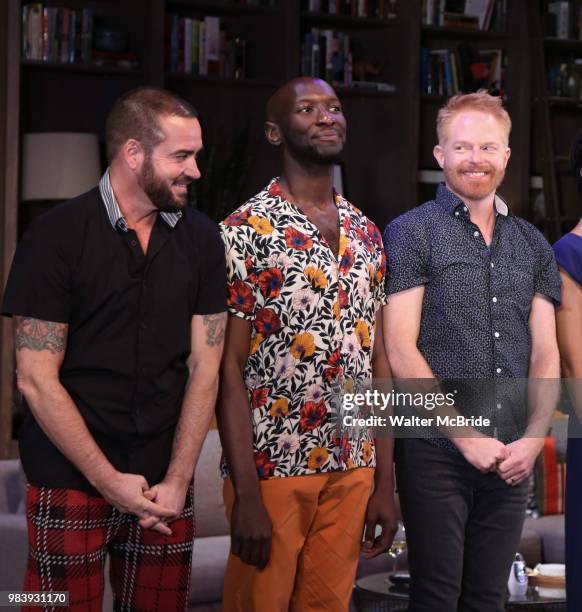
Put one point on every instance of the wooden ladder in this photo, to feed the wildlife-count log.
(553, 219)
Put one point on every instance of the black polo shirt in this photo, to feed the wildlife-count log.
(129, 318)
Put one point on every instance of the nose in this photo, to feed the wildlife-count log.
(476, 154)
(324, 116)
(192, 171)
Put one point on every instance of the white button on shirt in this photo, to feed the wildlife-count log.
(475, 233)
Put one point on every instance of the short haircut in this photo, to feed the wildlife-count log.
(576, 160)
(135, 115)
(479, 101)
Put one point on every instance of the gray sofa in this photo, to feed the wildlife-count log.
(542, 538)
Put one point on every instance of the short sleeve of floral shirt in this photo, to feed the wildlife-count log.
(312, 316)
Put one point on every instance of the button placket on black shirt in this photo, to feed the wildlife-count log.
(487, 255)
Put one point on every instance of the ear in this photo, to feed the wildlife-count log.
(133, 154)
(439, 155)
(273, 133)
(507, 156)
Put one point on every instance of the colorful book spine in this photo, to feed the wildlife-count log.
(187, 45)
(195, 46)
(202, 61)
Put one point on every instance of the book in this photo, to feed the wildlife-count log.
(65, 15)
(561, 11)
(187, 45)
(374, 86)
(195, 46)
(86, 35)
(44, 44)
(480, 9)
(34, 28)
(460, 21)
(202, 59)
(180, 44)
(74, 25)
(212, 45)
(327, 50)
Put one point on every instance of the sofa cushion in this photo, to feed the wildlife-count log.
(551, 530)
(12, 487)
(208, 503)
(13, 550)
(208, 568)
(530, 543)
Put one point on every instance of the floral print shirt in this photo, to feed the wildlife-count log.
(312, 317)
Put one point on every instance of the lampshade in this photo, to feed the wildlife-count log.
(59, 165)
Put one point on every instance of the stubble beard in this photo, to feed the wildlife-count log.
(158, 191)
(478, 191)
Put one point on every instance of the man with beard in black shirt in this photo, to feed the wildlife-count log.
(118, 298)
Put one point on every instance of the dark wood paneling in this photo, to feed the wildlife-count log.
(9, 117)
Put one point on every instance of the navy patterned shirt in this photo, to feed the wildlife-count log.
(477, 299)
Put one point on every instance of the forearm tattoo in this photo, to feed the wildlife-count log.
(215, 325)
(38, 335)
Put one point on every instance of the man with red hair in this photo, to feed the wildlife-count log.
(472, 291)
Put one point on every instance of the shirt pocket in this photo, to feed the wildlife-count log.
(522, 280)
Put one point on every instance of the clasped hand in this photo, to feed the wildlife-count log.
(154, 506)
(513, 462)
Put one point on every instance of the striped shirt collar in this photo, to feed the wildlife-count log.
(114, 213)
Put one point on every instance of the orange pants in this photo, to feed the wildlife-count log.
(317, 530)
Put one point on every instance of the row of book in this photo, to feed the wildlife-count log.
(381, 9)
(484, 15)
(565, 78)
(54, 34)
(445, 72)
(564, 20)
(201, 47)
(328, 55)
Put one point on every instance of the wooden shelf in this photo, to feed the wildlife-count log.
(84, 68)
(563, 102)
(433, 99)
(438, 32)
(181, 76)
(219, 7)
(564, 44)
(357, 92)
(346, 21)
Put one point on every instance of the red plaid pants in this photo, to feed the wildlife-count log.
(69, 535)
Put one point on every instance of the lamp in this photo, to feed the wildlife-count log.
(59, 165)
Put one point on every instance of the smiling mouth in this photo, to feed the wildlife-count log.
(473, 174)
(327, 136)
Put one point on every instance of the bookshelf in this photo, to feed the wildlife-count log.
(388, 166)
(508, 38)
(556, 33)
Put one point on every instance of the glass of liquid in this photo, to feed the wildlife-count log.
(398, 544)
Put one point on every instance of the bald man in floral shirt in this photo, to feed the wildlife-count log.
(306, 281)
